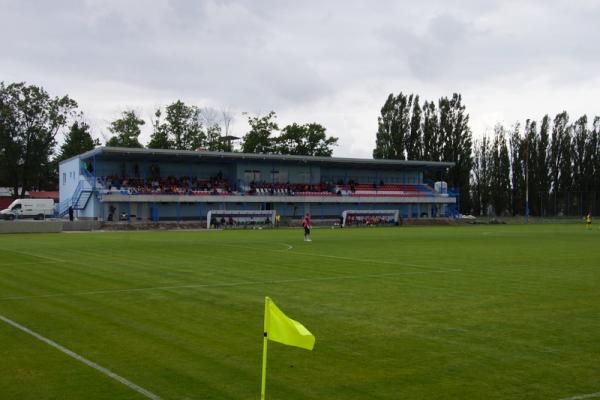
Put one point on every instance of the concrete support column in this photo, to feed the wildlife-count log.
(429, 211)
(144, 212)
(105, 210)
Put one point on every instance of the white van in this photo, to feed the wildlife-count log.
(29, 208)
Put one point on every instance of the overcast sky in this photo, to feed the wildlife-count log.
(332, 62)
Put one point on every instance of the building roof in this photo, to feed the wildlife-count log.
(213, 156)
(44, 195)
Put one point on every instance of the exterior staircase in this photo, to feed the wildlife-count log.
(81, 196)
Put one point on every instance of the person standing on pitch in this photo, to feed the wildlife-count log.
(306, 225)
(588, 221)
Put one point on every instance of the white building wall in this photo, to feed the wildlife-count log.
(68, 175)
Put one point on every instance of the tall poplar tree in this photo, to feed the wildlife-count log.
(517, 172)
(393, 127)
(456, 139)
(414, 144)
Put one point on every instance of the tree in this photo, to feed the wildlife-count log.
(393, 128)
(579, 154)
(530, 157)
(258, 139)
(481, 176)
(556, 151)
(215, 140)
(414, 144)
(542, 170)
(431, 141)
(456, 139)
(78, 140)
(594, 145)
(181, 129)
(306, 140)
(500, 172)
(430, 137)
(160, 136)
(126, 130)
(517, 169)
(227, 120)
(29, 121)
(215, 122)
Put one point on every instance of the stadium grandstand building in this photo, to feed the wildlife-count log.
(111, 184)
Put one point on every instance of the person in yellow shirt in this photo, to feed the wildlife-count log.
(588, 221)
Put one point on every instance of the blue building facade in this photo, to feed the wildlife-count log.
(158, 185)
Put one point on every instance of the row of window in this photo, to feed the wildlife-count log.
(64, 177)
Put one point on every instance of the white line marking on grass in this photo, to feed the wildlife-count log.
(289, 247)
(84, 360)
(215, 285)
(404, 264)
(37, 256)
(41, 262)
(583, 396)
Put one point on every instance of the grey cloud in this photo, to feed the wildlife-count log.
(258, 55)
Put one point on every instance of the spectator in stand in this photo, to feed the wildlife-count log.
(306, 224)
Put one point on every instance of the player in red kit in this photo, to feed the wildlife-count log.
(306, 225)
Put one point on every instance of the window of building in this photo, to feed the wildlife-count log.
(283, 176)
(251, 175)
(304, 176)
(64, 178)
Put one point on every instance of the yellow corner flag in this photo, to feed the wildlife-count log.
(281, 328)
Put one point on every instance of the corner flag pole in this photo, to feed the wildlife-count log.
(264, 363)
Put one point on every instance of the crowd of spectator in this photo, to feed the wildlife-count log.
(217, 185)
(183, 185)
(369, 220)
(289, 189)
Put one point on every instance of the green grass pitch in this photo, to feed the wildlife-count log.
(476, 312)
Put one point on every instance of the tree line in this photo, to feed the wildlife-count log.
(32, 122)
(431, 131)
(557, 159)
(187, 127)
